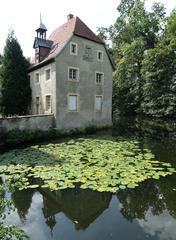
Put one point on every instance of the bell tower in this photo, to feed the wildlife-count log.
(41, 30)
(41, 45)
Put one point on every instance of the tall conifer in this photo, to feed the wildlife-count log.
(15, 85)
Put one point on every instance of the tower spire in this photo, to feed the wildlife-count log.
(41, 24)
(40, 18)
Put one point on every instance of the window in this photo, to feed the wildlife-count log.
(73, 74)
(73, 102)
(48, 103)
(37, 104)
(98, 103)
(37, 78)
(73, 48)
(48, 74)
(99, 77)
(100, 56)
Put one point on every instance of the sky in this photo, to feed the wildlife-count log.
(24, 16)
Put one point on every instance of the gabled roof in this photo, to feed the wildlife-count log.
(62, 35)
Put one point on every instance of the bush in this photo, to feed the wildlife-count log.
(90, 129)
(16, 136)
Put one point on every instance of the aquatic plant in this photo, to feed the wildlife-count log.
(102, 164)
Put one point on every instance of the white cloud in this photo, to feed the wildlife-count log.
(161, 226)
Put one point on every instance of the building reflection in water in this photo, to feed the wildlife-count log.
(82, 207)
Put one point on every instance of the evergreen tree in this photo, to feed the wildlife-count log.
(15, 85)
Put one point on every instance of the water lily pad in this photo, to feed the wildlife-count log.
(102, 164)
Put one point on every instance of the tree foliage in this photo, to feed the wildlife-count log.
(159, 74)
(0, 59)
(135, 31)
(144, 50)
(15, 85)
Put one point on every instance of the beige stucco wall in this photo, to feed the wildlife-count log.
(42, 122)
(86, 87)
(59, 87)
(43, 88)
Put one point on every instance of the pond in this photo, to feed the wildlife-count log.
(147, 211)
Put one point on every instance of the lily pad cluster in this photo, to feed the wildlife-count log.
(98, 164)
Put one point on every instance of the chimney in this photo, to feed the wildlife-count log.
(69, 17)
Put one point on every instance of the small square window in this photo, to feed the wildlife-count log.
(100, 56)
(48, 74)
(73, 48)
(37, 78)
(98, 103)
(99, 78)
(48, 103)
(73, 74)
(73, 103)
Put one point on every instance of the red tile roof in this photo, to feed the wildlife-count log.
(74, 26)
(62, 34)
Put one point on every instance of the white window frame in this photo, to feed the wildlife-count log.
(37, 73)
(77, 102)
(98, 111)
(49, 109)
(76, 52)
(75, 68)
(102, 82)
(46, 75)
(99, 60)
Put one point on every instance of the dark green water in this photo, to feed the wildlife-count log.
(146, 212)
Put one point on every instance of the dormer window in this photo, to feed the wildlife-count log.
(100, 56)
(73, 48)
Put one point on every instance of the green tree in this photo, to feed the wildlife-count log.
(127, 77)
(15, 85)
(159, 74)
(0, 82)
(135, 31)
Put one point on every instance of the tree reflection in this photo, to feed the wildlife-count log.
(168, 190)
(136, 202)
(6, 206)
(22, 201)
(155, 196)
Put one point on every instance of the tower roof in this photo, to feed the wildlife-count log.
(41, 27)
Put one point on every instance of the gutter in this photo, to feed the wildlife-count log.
(41, 64)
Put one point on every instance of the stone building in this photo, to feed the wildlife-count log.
(72, 76)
